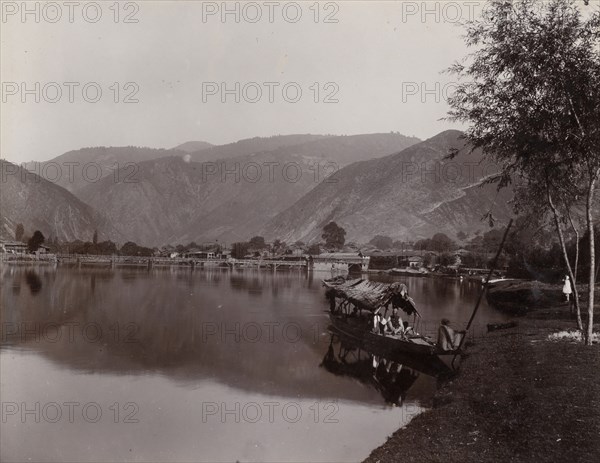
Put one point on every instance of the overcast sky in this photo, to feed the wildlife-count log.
(378, 65)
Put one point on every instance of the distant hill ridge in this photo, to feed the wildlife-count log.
(41, 205)
(412, 194)
(228, 199)
(385, 184)
(75, 169)
(191, 146)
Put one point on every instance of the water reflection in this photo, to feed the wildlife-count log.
(392, 375)
(265, 328)
(186, 336)
(33, 281)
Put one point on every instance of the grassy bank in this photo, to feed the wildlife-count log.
(518, 397)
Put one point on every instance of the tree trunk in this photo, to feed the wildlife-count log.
(576, 243)
(592, 278)
(576, 266)
(563, 247)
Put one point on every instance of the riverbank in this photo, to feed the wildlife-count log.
(518, 397)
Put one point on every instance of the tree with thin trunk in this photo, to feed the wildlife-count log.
(531, 95)
(537, 198)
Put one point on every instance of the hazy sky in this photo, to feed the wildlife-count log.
(378, 65)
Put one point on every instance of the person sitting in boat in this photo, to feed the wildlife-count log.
(408, 329)
(448, 338)
(395, 324)
(377, 321)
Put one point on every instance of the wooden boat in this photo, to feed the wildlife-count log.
(360, 300)
(358, 328)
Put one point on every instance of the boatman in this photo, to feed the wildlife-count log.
(448, 339)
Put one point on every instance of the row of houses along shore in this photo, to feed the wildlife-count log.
(411, 261)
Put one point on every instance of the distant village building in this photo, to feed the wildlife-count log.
(17, 247)
(385, 260)
(225, 253)
(415, 262)
(340, 262)
(197, 254)
(13, 247)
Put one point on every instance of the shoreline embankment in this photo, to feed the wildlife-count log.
(522, 394)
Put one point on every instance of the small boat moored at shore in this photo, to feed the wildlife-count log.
(357, 305)
(410, 271)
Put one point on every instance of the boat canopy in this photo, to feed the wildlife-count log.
(371, 295)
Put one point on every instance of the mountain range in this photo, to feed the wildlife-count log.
(41, 205)
(285, 187)
(75, 169)
(411, 194)
(178, 200)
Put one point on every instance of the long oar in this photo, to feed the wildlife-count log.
(483, 289)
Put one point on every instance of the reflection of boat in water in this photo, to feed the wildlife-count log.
(391, 375)
(356, 307)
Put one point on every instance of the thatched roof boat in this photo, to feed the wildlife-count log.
(371, 295)
(348, 298)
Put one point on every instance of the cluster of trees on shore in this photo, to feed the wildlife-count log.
(102, 248)
(105, 248)
(257, 246)
(334, 238)
(530, 96)
(33, 242)
(530, 251)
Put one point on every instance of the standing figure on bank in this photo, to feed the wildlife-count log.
(567, 288)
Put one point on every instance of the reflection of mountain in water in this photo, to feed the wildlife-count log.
(258, 331)
(392, 376)
(193, 326)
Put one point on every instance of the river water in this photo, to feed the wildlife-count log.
(206, 365)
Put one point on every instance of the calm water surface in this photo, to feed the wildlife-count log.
(174, 365)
